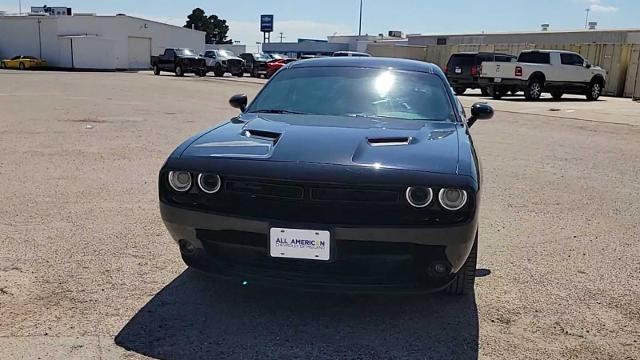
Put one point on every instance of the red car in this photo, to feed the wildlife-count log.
(274, 65)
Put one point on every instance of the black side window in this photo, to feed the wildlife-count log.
(171, 54)
(571, 59)
(535, 58)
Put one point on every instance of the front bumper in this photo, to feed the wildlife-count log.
(363, 258)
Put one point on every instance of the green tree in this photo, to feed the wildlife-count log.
(215, 27)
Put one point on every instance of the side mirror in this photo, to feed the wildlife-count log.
(239, 101)
(587, 65)
(480, 111)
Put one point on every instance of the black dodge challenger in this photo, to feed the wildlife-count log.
(355, 174)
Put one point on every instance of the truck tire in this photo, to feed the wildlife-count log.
(459, 90)
(594, 90)
(156, 70)
(485, 91)
(217, 70)
(465, 279)
(556, 95)
(496, 92)
(533, 91)
(201, 73)
(179, 71)
(254, 72)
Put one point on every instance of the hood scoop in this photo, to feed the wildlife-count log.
(262, 135)
(389, 141)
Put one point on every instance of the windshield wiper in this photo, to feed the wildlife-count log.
(278, 111)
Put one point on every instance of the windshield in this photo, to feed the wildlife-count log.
(226, 53)
(185, 52)
(261, 57)
(358, 92)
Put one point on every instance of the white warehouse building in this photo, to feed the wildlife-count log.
(93, 42)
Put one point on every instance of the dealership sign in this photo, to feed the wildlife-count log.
(266, 23)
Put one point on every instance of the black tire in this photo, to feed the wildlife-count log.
(485, 91)
(594, 90)
(459, 90)
(21, 66)
(465, 279)
(179, 71)
(496, 92)
(254, 72)
(556, 95)
(2, 65)
(217, 70)
(156, 70)
(533, 90)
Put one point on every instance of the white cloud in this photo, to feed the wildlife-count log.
(599, 6)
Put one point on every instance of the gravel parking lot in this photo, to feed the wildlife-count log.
(87, 269)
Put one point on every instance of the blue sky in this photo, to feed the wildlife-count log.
(319, 18)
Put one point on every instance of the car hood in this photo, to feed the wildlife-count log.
(352, 141)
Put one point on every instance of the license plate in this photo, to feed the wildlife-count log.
(458, 71)
(498, 80)
(300, 244)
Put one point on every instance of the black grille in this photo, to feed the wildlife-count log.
(313, 203)
(353, 262)
(254, 188)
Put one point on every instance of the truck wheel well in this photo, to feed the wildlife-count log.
(538, 76)
(597, 79)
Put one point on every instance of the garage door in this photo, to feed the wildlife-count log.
(139, 53)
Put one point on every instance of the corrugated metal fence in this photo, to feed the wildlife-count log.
(622, 61)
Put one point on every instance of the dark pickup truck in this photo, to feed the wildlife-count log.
(180, 62)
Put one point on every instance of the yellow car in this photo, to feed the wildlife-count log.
(23, 62)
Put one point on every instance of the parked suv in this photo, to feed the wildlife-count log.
(255, 63)
(222, 61)
(463, 69)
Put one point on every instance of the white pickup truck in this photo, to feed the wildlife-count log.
(540, 71)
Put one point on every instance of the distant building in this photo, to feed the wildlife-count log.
(93, 42)
(631, 36)
(327, 47)
(51, 10)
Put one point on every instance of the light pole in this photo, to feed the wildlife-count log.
(586, 21)
(20, 6)
(360, 24)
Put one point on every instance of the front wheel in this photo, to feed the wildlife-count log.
(459, 90)
(485, 91)
(21, 66)
(217, 71)
(465, 279)
(254, 72)
(594, 90)
(556, 95)
(156, 70)
(533, 90)
(179, 71)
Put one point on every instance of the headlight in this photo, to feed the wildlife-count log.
(419, 196)
(180, 180)
(452, 199)
(224, 62)
(209, 183)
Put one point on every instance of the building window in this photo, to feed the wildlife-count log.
(442, 41)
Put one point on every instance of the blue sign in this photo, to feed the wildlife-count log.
(266, 23)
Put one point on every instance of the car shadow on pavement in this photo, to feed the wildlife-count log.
(200, 317)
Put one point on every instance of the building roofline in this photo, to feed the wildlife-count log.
(528, 32)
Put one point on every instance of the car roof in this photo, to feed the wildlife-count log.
(481, 53)
(549, 51)
(367, 62)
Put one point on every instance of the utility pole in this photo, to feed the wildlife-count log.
(586, 21)
(282, 36)
(20, 6)
(360, 26)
